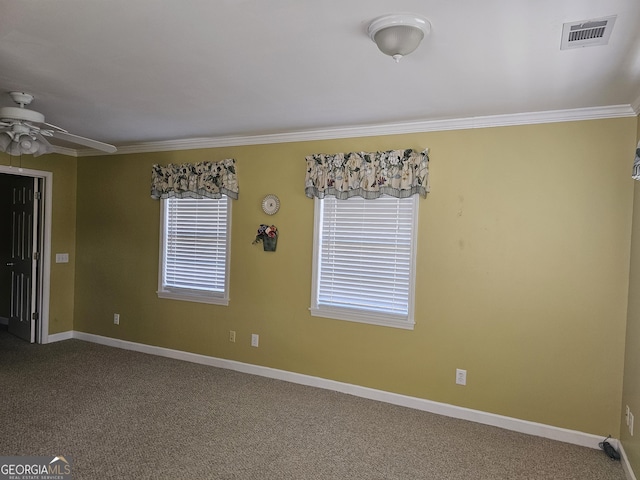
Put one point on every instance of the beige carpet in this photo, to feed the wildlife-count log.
(127, 415)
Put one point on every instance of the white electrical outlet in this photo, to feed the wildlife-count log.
(254, 339)
(461, 376)
(631, 423)
(232, 336)
(116, 319)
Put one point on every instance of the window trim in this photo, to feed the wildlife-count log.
(359, 315)
(215, 298)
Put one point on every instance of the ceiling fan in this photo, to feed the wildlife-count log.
(23, 131)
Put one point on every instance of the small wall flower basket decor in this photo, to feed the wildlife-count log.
(268, 235)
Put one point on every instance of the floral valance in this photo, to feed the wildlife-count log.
(399, 173)
(199, 180)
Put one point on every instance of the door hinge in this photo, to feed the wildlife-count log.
(37, 196)
(35, 316)
(36, 255)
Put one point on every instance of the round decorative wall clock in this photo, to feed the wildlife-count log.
(270, 204)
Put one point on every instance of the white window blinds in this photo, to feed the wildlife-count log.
(364, 262)
(195, 248)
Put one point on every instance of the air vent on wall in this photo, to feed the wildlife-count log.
(587, 33)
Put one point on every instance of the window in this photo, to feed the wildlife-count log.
(194, 249)
(364, 260)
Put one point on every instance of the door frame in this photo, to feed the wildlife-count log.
(42, 334)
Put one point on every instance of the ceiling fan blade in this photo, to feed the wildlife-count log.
(55, 127)
(40, 138)
(87, 142)
(45, 146)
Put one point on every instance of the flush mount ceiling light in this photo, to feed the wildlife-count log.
(398, 35)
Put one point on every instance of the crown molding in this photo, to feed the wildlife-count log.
(636, 106)
(70, 152)
(489, 121)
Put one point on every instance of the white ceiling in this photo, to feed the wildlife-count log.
(133, 71)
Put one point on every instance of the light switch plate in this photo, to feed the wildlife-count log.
(62, 258)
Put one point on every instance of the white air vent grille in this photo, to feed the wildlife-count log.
(587, 33)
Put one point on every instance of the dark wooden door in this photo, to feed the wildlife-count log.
(17, 259)
(5, 247)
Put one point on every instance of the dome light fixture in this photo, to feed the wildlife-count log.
(399, 34)
(18, 144)
(21, 140)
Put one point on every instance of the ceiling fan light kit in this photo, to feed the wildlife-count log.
(398, 35)
(22, 131)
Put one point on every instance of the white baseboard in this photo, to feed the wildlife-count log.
(58, 337)
(514, 424)
(626, 466)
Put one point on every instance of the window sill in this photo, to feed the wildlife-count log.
(371, 318)
(190, 297)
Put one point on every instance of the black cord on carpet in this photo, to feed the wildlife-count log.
(609, 449)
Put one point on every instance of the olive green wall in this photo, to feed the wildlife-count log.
(63, 232)
(631, 388)
(522, 270)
